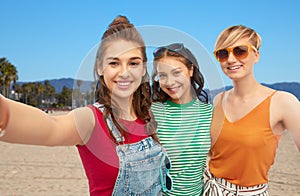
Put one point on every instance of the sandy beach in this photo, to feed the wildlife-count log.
(27, 170)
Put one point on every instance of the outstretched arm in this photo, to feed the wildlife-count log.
(28, 125)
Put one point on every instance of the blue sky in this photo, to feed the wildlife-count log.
(49, 39)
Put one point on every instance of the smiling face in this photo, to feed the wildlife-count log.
(174, 79)
(231, 37)
(235, 68)
(122, 69)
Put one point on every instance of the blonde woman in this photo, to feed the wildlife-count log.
(248, 119)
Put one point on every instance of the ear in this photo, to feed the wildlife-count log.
(100, 71)
(257, 56)
(99, 68)
(191, 71)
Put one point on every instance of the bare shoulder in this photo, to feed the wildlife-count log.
(283, 98)
(85, 122)
(284, 105)
(83, 114)
(217, 98)
(85, 109)
(286, 108)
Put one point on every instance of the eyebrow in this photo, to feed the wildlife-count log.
(175, 69)
(136, 58)
(116, 58)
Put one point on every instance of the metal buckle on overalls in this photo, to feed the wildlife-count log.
(149, 144)
(116, 133)
(145, 144)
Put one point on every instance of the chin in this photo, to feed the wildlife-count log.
(175, 99)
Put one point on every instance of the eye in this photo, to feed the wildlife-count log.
(222, 53)
(162, 76)
(135, 63)
(113, 63)
(240, 50)
(176, 73)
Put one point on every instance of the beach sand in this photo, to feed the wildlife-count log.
(27, 170)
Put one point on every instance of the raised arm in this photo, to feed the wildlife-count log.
(286, 109)
(28, 125)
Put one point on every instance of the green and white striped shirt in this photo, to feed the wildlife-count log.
(184, 131)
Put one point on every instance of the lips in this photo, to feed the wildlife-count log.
(234, 67)
(173, 89)
(123, 84)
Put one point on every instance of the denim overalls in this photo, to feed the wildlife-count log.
(144, 166)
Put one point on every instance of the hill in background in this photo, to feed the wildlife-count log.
(292, 87)
(70, 83)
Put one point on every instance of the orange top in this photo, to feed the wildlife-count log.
(244, 150)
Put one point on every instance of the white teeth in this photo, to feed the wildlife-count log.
(234, 67)
(174, 88)
(123, 83)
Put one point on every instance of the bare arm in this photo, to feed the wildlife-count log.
(217, 120)
(217, 98)
(287, 112)
(214, 128)
(29, 125)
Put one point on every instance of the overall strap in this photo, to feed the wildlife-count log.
(115, 132)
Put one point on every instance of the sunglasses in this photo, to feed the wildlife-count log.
(239, 52)
(176, 47)
(166, 179)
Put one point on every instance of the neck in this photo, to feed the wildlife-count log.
(186, 98)
(125, 109)
(245, 88)
(181, 101)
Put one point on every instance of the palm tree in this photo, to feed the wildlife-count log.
(79, 83)
(79, 97)
(49, 92)
(2, 63)
(40, 88)
(27, 92)
(8, 74)
(65, 98)
(18, 91)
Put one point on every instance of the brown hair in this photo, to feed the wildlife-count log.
(122, 29)
(186, 57)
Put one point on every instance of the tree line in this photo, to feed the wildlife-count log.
(40, 94)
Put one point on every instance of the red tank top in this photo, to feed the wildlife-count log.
(244, 150)
(99, 157)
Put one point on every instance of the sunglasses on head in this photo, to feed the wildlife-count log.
(239, 52)
(176, 47)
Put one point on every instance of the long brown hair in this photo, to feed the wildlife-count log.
(122, 29)
(185, 56)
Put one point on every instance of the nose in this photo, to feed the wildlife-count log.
(124, 71)
(231, 57)
(169, 81)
